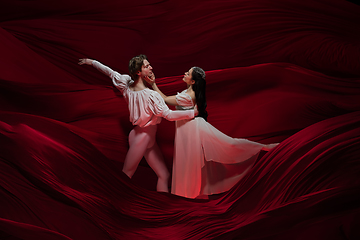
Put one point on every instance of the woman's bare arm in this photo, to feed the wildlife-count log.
(170, 100)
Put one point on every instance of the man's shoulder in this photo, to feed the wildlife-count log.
(155, 95)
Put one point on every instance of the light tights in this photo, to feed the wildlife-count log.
(142, 143)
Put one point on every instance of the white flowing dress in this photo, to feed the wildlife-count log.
(206, 161)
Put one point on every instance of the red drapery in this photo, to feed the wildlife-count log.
(277, 71)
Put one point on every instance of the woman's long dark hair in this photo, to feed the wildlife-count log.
(199, 87)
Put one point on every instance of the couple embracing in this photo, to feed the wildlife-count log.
(206, 161)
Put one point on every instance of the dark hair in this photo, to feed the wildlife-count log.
(199, 87)
(135, 65)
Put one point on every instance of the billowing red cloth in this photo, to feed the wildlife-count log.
(277, 71)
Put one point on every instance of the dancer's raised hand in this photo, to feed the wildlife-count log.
(86, 61)
(150, 79)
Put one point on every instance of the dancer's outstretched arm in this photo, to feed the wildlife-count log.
(101, 67)
(120, 81)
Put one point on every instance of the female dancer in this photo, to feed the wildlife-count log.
(206, 161)
(146, 109)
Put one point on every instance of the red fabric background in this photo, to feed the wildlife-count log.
(277, 71)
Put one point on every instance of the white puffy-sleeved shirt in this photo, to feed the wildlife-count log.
(146, 107)
(184, 101)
